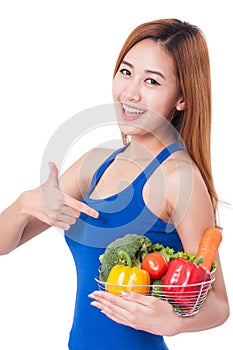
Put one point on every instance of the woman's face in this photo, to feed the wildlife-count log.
(145, 88)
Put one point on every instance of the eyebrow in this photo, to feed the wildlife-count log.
(147, 70)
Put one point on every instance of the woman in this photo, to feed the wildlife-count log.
(152, 186)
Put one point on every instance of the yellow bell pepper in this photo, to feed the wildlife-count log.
(128, 279)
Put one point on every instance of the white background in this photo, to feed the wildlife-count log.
(57, 59)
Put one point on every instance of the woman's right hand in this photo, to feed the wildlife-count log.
(50, 205)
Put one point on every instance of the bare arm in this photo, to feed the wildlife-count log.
(199, 217)
(12, 225)
(36, 210)
(55, 203)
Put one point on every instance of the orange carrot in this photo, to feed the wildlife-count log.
(208, 246)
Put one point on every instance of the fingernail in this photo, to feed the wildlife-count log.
(93, 303)
(91, 295)
(125, 294)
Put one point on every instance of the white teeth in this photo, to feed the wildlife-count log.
(132, 110)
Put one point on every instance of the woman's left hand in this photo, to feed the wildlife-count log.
(141, 312)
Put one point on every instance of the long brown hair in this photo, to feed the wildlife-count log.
(187, 46)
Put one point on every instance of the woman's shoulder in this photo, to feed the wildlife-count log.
(182, 174)
(77, 178)
(188, 198)
(95, 157)
(181, 167)
(91, 161)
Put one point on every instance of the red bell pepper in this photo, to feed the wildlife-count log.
(182, 284)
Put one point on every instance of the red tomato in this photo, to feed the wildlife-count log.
(155, 264)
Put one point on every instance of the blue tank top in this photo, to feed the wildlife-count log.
(87, 239)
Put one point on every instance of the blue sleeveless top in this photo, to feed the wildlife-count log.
(87, 239)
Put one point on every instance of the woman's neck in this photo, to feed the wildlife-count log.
(146, 146)
(140, 152)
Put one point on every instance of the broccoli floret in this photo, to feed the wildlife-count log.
(128, 250)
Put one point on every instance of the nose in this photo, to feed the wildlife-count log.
(132, 92)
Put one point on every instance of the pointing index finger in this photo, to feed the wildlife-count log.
(81, 207)
(84, 208)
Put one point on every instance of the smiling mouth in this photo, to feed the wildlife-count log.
(131, 113)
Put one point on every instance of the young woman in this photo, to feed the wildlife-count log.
(159, 185)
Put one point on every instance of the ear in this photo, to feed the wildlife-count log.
(180, 105)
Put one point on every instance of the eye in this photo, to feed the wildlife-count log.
(125, 71)
(152, 82)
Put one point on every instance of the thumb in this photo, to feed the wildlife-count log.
(53, 176)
